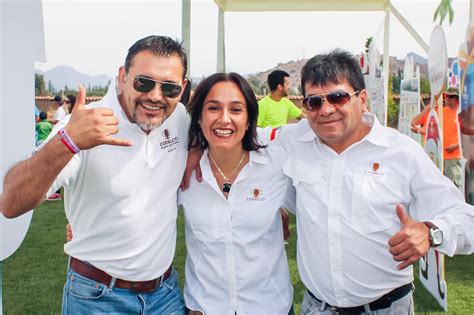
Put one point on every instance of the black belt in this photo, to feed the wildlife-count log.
(101, 276)
(381, 303)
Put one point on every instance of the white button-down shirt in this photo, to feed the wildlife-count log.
(236, 260)
(346, 210)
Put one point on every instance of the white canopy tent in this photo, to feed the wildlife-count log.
(301, 5)
(310, 5)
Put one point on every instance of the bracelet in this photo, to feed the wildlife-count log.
(64, 137)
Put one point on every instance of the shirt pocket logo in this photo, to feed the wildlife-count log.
(256, 195)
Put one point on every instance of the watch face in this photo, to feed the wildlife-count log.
(437, 237)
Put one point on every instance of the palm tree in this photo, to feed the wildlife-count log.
(368, 41)
(444, 9)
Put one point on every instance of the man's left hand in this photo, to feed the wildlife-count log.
(285, 219)
(192, 163)
(411, 242)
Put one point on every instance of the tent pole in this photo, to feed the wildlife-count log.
(409, 28)
(386, 60)
(186, 30)
(221, 42)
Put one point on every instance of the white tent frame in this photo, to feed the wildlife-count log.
(301, 5)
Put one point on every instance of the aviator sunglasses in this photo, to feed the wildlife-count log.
(145, 85)
(336, 99)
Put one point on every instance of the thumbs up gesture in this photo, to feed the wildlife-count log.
(411, 242)
(90, 127)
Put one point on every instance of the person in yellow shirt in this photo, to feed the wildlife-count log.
(275, 109)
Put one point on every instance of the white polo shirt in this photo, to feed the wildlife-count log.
(346, 210)
(59, 114)
(236, 260)
(122, 201)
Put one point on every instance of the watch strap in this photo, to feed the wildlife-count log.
(432, 228)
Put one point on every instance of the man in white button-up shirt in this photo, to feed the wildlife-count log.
(360, 187)
(120, 192)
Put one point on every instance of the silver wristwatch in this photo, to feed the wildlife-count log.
(436, 235)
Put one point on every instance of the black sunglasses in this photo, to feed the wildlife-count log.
(145, 85)
(336, 99)
(452, 96)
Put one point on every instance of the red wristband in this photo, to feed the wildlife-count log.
(64, 137)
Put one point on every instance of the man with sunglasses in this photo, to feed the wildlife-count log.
(353, 180)
(120, 192)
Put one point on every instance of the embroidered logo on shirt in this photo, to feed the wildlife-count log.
(256, 195)
(375, 169)
(170, 143)
(166, 134)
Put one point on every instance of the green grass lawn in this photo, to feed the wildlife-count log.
(34, 276)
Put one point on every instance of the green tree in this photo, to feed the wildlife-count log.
(51, 88)
(68, 91)
(255, 84)
(444, 9)
(98, 90)
(396, 81)
(424, 85)
(368, 41)
(392, 107)
(40, 88)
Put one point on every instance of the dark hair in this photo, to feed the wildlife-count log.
(336, 67)
(276, 77)
(58, 99)
(43, 115)
(186, 94)
(72, 101)
(195, 106)
(160, 46)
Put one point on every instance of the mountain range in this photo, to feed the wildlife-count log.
(65, 75)
(294, 69)
(61, 76)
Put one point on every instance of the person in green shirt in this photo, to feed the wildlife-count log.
(275, 109)
(43, 128)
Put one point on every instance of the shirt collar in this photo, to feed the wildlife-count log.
(254, 157)
(307, 135)
(111, 96)
(377, 135)
(260, 157)
(111, 100)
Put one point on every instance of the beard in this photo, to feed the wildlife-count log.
(148, 123)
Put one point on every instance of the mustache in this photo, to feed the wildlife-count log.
(149, 101)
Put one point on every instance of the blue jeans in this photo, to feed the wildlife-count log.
(84, 296)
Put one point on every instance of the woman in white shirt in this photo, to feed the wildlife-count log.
(236, 261)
